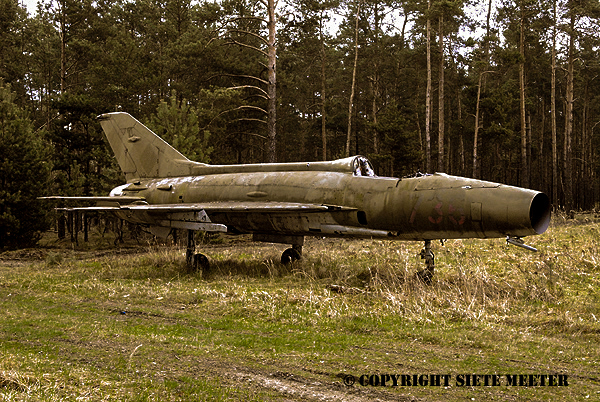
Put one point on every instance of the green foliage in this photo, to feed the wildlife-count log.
(177, 123)
(404, 144)
(216, 109)
(84, 164)
(12, 66)
(74, 60)
(25, 164)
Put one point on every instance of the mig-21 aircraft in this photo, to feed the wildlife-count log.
(284, 202)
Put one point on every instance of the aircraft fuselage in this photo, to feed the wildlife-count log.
(435, 206)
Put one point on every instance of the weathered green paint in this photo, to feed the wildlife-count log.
(338, 198)
(464, 208)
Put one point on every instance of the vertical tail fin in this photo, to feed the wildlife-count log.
(141, 153)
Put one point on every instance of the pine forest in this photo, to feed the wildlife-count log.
(504, 90)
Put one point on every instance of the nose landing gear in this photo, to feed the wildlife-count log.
(426, 275)
(195, 262)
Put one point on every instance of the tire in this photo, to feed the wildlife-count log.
(290, 255)
(201, 263)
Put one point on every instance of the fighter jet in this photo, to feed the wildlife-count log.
(284, 202)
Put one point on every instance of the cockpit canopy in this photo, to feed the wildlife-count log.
(361, 166)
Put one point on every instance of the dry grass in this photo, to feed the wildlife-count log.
(98, 325)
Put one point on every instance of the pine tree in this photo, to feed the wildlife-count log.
(177, 123)
(24, 170)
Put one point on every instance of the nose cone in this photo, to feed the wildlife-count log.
(539, 213)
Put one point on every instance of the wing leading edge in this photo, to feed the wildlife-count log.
(138, 204)
(124, 199)
(192, 216)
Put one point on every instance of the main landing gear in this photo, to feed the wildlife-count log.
(199, 262)
(291, 254)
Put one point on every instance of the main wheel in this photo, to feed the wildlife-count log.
(290, 255)
(201, 263)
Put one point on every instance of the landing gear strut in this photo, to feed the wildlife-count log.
(195, 262)
(426, 275)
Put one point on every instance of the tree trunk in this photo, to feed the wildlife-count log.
(524, 164)
(568, 186)
(323, 89)
(63, 47)
(428, 95)
(374, 118)
(461, 146)
(272, 85)
(481, 81)
(375, 82)
(585, 174)
(553, 112)
(353, 80)
(476, 135)
(441, 98)
(529, 142)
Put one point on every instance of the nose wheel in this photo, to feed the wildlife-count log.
(426, 275)
(195, 262)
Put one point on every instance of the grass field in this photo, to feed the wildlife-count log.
(89, 324)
